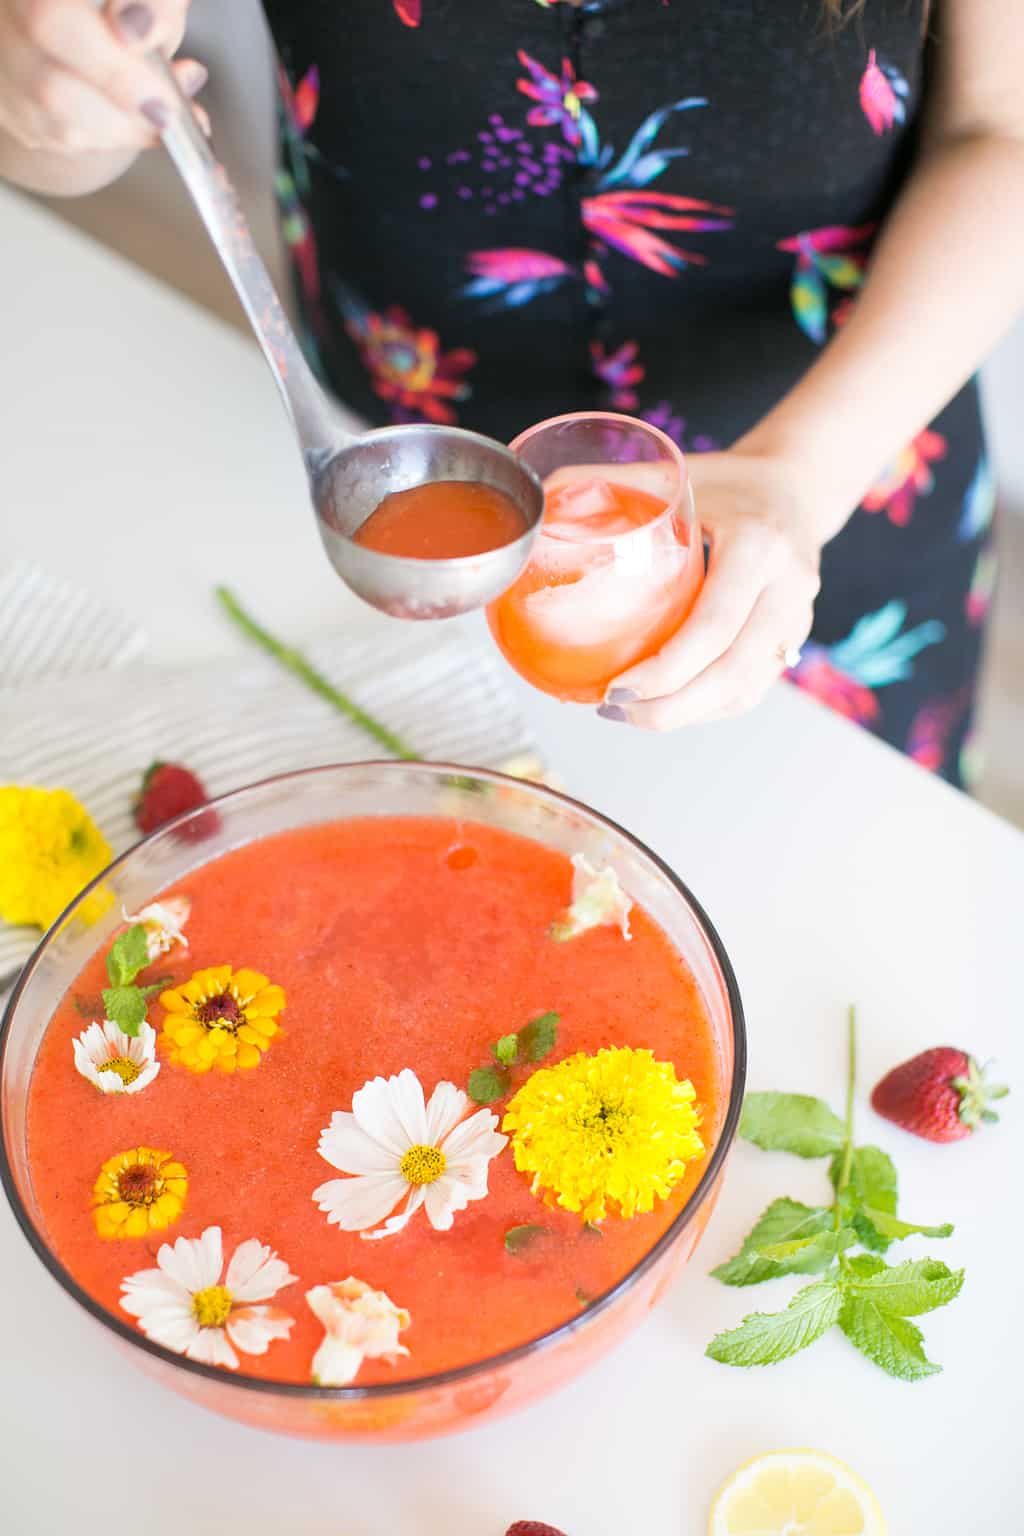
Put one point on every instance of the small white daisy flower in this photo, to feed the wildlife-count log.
(598, 901)
(164, 922)
(183, 1305)
(115, 1062)
(395, 1146)
(359, 1324)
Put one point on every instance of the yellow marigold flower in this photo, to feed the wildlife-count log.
(221, 1018)
(137, 1192)
(50, 848)
(617, 1126)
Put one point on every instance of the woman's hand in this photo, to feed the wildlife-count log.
(75, 81)
(756, 603)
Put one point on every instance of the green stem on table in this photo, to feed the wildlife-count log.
(293, 661)
(851, 1084)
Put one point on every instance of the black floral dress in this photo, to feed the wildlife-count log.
(499, 210)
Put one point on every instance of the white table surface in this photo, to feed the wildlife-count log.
(145, 455)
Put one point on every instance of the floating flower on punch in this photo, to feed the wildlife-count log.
(115, 1062)
(598, 900)
(50, 848)
(617, 1127)
(137, 1192)
(359, 1324)
(164, 922)
(183, 1305)
(397, 1147)
(221, 1018)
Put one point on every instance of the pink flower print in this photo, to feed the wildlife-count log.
(909, 477)
(835, 688)
(407, 366)
(628, 221)
(877, 651)
(982, 588)
(883, 93)
(301, 101)
(618, 371)
(409, 12)
(666, 420)
(560, 98)
(825, 258)
(512, 276)
(932, 727)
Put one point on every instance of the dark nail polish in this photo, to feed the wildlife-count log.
(156, 113)
(612, 712)
(136, 22)
(196, 78)
(622, 696)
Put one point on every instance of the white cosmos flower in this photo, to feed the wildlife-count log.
(359, 1324)
(164, 922)
(395, 1146)
(115, 1062)
(598, 900)
(183, 1305)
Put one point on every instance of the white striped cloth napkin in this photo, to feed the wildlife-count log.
(79, 711)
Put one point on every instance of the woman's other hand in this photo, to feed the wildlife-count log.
(77, 90)
(756, 603)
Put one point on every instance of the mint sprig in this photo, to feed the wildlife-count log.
(870, 1300)
(530, 1044)
(124, 1004)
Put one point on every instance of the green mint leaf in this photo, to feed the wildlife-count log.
(907, 1290)
(519, 1239)
(893, 1228)
(791, 1122)
(127, 956)
(506, 1050)
(487, 1084)
(864, 1264)
(810, 1255)
(125, 1007)
(872, 1183)
(767, 1337)
(894, 1343)
(539, 1036)
(784, 1221)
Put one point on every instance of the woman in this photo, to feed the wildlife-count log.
(786, 233)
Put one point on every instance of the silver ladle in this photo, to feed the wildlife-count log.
(350, 475)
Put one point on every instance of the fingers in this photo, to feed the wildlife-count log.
(734, 583)
(148, 23)
(80, 42)
(739, 679)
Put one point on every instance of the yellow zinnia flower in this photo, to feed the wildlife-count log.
(50, 848)
(617, 1126)
(221, 1018)
(138, 1191)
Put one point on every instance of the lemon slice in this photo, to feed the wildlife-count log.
(795, 1493)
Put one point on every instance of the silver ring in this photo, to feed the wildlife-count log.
(789, 655)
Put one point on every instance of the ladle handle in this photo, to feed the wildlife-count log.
(216, 201)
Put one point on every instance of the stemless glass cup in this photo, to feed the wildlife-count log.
(588, 607)
(467, 1395)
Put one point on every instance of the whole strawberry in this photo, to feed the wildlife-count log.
(532, 1528)
(941, 1095)
(169, 790)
